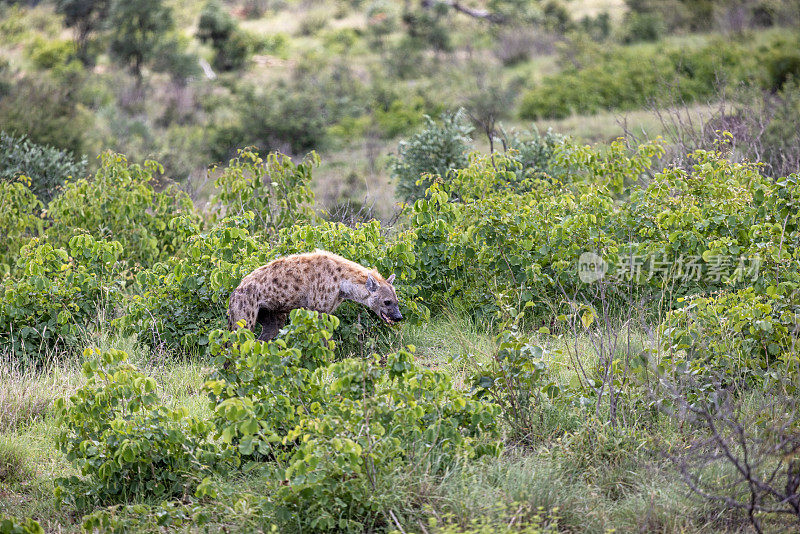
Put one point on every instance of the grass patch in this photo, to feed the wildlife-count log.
(26, 395)
(12, 462)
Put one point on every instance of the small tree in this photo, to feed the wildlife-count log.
(436, 150)
(138, 28)
(232, 45)
(86, 16)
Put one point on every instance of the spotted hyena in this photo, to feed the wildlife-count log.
(317, 281)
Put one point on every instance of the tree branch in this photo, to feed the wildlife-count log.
(484, 14)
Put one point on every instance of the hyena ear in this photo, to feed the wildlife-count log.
(391, 279)
(372, 285)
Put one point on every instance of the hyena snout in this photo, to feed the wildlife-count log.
(391, 316)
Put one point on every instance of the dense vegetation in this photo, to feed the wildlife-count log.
(597, 336)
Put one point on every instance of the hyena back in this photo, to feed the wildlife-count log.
(317, 281)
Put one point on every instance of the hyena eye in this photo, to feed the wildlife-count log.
(387, 302)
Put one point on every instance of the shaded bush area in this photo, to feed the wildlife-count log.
(627, 79)
(47, 168)
(45, 110)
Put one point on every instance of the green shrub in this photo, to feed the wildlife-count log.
(479, 240)
(643, 27)
(506, 246)
(181, 300)
(19, 220)
(704, 223)
(400, 116)
(49, 54)
(120, 203)
(428, 28)
(276, 44)
(340, 432)
(436, 150)
(11, 525)
(125, 442)
(258, 386)
(313, 23)
(146, 518)
(233, 46)
(623, 79)
(279, 117)
(738, 338)
(518, 380)
(277, 190)
(782, 61)
(57, 295)
(534, 150)
(44, 108)
(47, 168)
(350, 449)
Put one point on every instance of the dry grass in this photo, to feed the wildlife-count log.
(607, 126)
(26, 395)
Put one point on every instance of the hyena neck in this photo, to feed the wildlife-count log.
(355, 291)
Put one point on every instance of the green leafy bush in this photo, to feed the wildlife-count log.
(120, 203)
(507, 245)
(57, 295)
(339, 432)
(707, 223)
(290, 117)
(277, 190)
(258, 387)
(518, 380)
(126, 443)
(232, 45)
(782, 61)
(50, 54)
(643, 27)
(624, 79)
(375, 422)
(46, 167)
(146, 518)
(534, 150)
(19, 220)
(491, 233)
(179, 301)
(436, 150)
(740, 337)
(11, 525)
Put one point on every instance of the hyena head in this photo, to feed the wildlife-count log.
(383, 300)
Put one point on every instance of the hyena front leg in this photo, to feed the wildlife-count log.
(271, 323)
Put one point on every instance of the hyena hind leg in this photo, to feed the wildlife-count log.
(271, 323)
